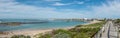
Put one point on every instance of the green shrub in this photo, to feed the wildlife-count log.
(20, 36)
(81, 31)
(61, 35)
(44, 36)
(88, 30)
(117, 21)
(81, 35)
(61, 31)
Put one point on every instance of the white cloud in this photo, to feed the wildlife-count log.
(59, 4)
(80, 2)
(110, 10)
(12, 9)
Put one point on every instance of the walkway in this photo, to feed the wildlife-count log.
(109, 30)
(113, 31)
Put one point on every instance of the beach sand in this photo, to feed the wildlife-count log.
(34, 32)
(24, 32)
(92, 22)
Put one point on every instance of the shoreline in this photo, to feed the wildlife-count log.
(29, 32)
(92, 22)
(36, 31)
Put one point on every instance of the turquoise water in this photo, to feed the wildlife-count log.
(48, 25)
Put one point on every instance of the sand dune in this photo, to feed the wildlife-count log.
(34, 32)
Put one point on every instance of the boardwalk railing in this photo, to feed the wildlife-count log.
(108, 30)
(117, 28)
(97, 34)
(108, 34)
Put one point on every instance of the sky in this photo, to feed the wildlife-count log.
(59, 9)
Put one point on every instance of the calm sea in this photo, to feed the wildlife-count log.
(47, 25)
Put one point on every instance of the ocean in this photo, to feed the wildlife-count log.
(46, 25)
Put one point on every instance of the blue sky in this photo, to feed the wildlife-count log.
(59, 9)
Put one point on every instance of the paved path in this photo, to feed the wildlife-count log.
(109, 30)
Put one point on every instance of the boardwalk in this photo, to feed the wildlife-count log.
(110, 31)
(113, 31)
(105, 31)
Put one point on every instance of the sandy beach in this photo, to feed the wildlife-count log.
(92, 22)
(34, 32)
(28, 32)
(24, 32)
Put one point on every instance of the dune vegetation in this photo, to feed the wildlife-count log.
(20, 36)
(117, 21)
(80, 31)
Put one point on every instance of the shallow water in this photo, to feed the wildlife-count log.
(47, 25)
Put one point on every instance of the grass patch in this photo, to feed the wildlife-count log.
(80, 31)
(117, 21)
(87, 30)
